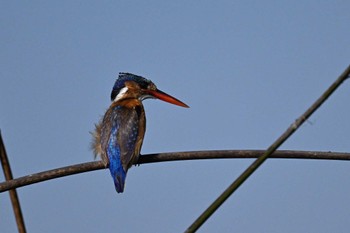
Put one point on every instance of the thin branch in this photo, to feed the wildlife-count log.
(256, 164)
(51, 174)
(173, 156)
(13, 193)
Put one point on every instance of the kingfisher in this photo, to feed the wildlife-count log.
(119, 135)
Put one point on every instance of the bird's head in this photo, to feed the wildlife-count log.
(130, 86)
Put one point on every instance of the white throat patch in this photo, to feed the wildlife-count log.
(121, 94)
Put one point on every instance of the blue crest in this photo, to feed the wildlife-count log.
(123, 77)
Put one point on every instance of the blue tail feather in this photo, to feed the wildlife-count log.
(115, 164)
(116, 168)
(119, 176)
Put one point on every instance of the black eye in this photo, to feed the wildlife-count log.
(151, 86)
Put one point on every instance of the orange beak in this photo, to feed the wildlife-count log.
(167, 98)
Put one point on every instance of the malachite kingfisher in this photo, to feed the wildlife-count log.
(119, 135)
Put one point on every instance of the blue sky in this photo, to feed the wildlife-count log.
(247, 69)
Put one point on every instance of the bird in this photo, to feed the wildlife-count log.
(118, 136)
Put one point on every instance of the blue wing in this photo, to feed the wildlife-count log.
(119, 138)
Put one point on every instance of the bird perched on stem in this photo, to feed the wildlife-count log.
(118, 136)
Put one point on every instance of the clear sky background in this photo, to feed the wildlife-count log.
(247, 69)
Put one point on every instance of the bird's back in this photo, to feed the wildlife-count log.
(119, 138)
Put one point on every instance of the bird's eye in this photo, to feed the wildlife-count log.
(151, 87)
